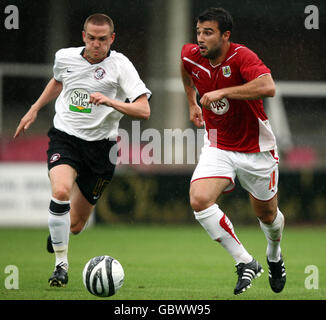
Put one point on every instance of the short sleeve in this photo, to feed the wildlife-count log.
(58, 67)
(188, 50)
(131, 83)
(251, 67)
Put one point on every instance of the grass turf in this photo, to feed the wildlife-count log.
(161, 263)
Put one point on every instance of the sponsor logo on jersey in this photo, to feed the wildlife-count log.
(79, 101)
(226, 71)
(99, 73)
(220, 107)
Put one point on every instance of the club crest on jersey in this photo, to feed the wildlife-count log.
(99, 73)
(226, 71)
(55, 157)
(220, 107)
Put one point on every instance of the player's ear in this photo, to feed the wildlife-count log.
(227, 35)
(84, 36)
(112, 38)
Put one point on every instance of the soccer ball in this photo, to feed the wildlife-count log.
(103, 276)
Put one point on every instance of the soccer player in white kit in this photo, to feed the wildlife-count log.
(231, 81)
(91, 84)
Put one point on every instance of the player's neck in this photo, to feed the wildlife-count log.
(90, 59)
(224, 50)
(93, 61)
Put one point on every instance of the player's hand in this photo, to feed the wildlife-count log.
(98, 98)
(210, 97)
(26, 121)
(196, 116)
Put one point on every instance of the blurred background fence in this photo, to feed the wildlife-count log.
(151, 34)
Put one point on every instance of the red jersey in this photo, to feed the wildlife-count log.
(237, 125)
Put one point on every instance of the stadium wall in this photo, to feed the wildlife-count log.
(163, 198)
(153, 197)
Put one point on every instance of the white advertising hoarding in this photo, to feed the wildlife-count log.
(24, 194)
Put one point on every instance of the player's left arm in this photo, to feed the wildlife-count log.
(258, 88)
(139, 108)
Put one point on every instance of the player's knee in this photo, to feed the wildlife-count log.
(61, 193)
(267, 215)
(199, 201)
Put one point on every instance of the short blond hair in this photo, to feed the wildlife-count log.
(99, 19)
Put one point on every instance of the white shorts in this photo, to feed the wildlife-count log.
(256, 172)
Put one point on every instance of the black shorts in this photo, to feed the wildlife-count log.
(91, 159)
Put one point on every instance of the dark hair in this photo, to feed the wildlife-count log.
(220, 15)
(99, 19)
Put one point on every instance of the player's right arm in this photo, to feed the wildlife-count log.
(195, 112)
(51, 91)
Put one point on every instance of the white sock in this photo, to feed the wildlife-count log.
(273, 233)
(59, 226)
(220, 229)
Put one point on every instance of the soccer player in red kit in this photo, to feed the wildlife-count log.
(231, 81)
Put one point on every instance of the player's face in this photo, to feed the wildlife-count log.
(210, 39)
(98, 40)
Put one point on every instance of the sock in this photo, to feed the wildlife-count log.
(59, 226)
(220, 229)
(273, 233)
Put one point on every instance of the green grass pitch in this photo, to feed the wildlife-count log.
(162, 263)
